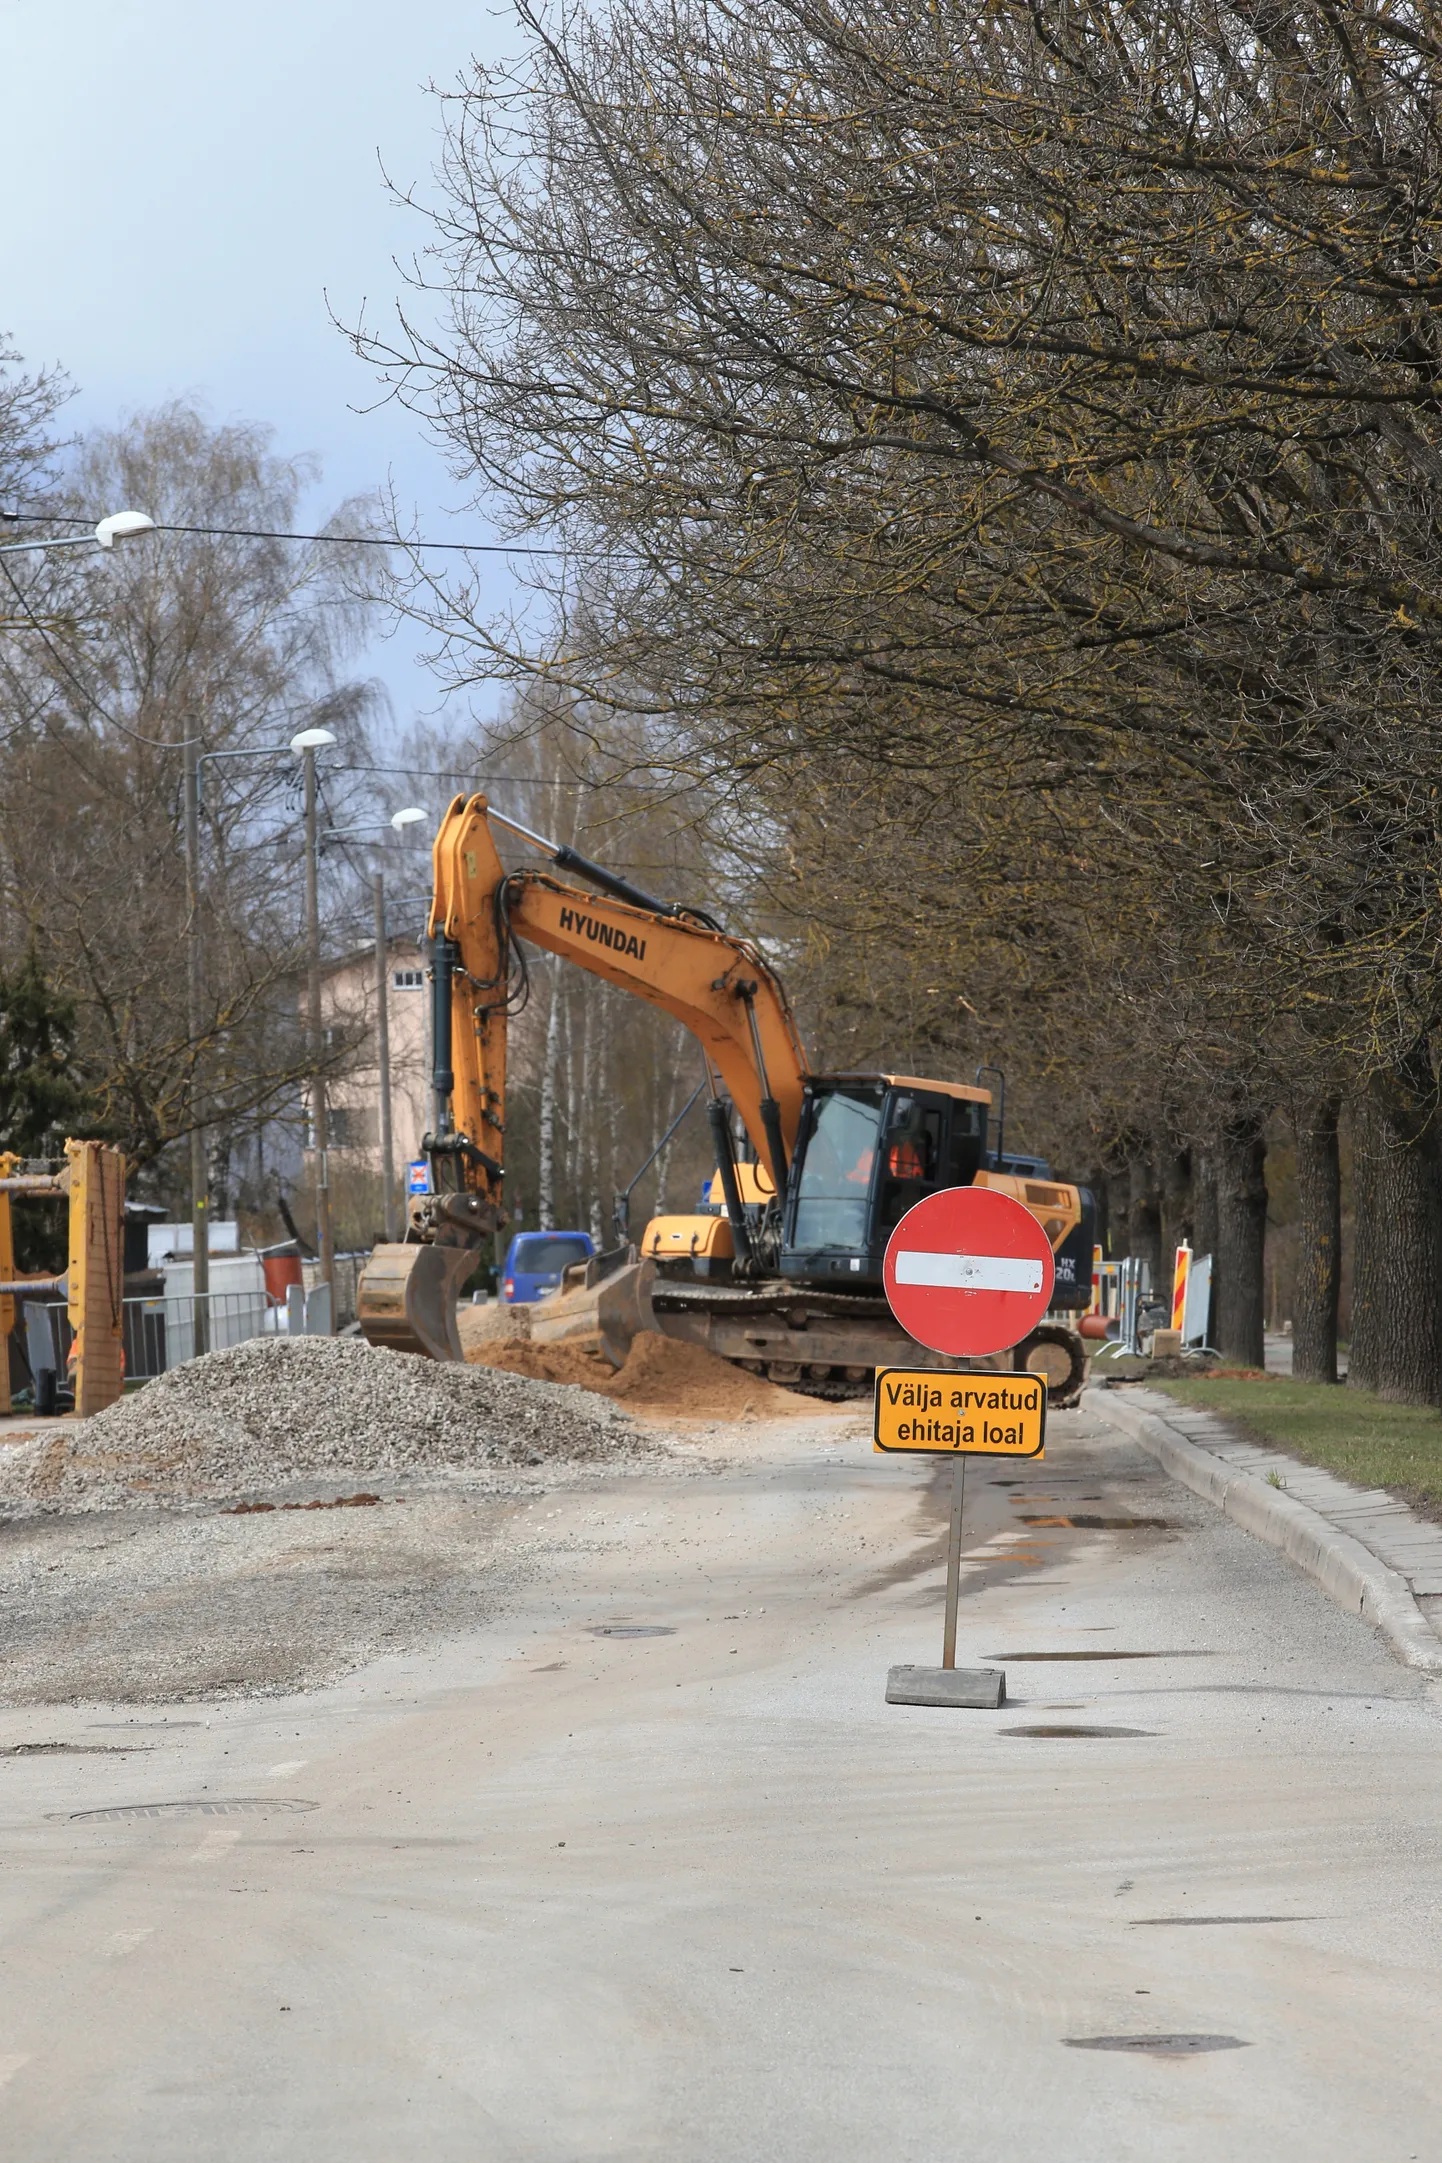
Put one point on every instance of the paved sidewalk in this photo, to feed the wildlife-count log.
(1391, 1533)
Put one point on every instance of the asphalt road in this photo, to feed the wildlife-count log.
(540, 1894)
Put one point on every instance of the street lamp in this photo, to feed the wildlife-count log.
(122, 526)
(305, 745)
(119, 526)
(400, 820)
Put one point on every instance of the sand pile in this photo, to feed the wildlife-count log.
(663, 1377)
(277, 1411)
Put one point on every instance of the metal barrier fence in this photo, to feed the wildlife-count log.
(159, 1333)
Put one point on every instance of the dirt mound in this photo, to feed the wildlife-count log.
(663, 1377)
(664, 1374)
(278, 1410)
(493, 1322)
(565, 1364)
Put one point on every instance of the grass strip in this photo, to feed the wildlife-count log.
(1347, 1431)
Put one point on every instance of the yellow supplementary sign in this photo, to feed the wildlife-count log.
(960, 1415)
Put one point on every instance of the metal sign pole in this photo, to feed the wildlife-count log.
(968, 1272)
(953, 1563)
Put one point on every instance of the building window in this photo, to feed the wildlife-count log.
(353, 1126)
(407, 979)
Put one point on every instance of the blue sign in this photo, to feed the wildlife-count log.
(418, 1176)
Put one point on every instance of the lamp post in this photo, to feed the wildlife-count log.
(194, 1002)
(400, 820)
(119, 526)
(307, 743)
(194, 767)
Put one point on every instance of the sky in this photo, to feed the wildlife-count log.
(188, 186)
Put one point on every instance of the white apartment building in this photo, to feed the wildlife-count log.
(349, 1003)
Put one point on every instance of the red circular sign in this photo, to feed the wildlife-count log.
(968, 1272)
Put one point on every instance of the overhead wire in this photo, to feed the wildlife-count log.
(264, 533)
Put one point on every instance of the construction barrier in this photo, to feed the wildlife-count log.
(91, 1183)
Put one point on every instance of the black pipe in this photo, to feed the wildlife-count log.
(444, 956)
(771, 1125)
(1000, 1149)
(611, 883)
(621, 889)
(726, 1165)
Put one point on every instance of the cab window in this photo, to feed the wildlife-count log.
(835, 1179)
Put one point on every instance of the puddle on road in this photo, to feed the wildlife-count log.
(1018, 1659)
(631, 1629)
(243, 1806)
(1081, 1522)
(1061, 1730)
(1195, 1922)
(126, 1725)
(74, 1749)
(1157, 2046)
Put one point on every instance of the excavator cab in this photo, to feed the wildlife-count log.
(870, 1147)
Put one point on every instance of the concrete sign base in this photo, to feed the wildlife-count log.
(981, 1688)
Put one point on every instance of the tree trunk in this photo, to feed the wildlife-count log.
(1144, 1221)
(1319, 1243)
(1176, 1199)
(1240, 1157)
(1204, 1203)
(1396, 1346)
(1117, 1208)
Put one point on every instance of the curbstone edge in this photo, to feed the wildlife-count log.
(1346, 1570)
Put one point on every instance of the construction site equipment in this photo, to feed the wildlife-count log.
(91, 1182)
(780, 1270)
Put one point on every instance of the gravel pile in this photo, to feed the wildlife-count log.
(277, 1412)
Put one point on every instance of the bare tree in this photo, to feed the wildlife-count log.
(205, 637)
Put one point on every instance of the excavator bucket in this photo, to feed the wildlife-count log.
(406, 1298)
(602, 1312)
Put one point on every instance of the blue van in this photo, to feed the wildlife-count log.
(534, 1261)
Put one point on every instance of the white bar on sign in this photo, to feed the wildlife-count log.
(970, 1272)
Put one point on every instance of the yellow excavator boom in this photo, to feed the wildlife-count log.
(720, 988)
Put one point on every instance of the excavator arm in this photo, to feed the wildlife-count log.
(718, 987)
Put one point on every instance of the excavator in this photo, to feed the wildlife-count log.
(780, 1268)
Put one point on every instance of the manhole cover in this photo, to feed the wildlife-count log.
(632, 1629)
(1158, 2046)
(242, 1806)
(1061, 1728)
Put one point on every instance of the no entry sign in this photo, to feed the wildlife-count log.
(968, 1272)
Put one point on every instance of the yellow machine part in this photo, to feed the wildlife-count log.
(753, 1183)
(96, 1283)
(707, 1235)
(685, 1239)
(1057, 1208)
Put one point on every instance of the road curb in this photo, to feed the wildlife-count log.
(1346, 1570)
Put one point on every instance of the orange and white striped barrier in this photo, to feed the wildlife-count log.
(1182, 1269)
